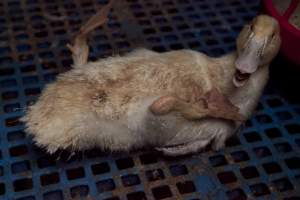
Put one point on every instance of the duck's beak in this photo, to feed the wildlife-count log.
(247, 63)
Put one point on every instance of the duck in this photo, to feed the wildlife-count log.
(176, 102)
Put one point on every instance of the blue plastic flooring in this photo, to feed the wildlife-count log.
(262, 163)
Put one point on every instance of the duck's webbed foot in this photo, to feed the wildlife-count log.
(79, 48)
(212, 104)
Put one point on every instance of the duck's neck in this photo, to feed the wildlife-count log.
(247, 96)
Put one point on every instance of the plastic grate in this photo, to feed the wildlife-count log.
(263, 162)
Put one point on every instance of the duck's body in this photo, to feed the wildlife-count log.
(178, 102)
(106, 103)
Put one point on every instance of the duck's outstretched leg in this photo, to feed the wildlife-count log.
(79, 48)
(212, 104)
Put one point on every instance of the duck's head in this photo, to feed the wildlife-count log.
(257, 45)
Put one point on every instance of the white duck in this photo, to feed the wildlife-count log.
(178, 101)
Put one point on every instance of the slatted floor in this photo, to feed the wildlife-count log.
(262, 163)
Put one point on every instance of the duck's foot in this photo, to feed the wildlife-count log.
(80, 49)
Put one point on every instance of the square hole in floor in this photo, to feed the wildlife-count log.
(262, 152)
(283, 184)
(252, 137)
(178, 170)
(75, 173)
(136, 195)
(130, 180)
(100, 168)
(186, 187)
(105, 185)
(240, 156)
(155, 174)
(57, 195)
(249, 172)
(48, 179)
(22, 184)
(259, 189)
(293, 163)
(20, 167)
(218, 160)
(236, 194)
(273, 133)
(161, 192)
(272, 167)
(125, 163)
(79, 191)
(283, 147)
(2, 188)
(226, 177)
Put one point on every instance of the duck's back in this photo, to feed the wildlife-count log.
(117, 81)
(100, 93)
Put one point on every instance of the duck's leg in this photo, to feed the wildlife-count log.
(212, 104)
(80, 49)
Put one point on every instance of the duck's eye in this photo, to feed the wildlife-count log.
(251, 27)
(273, 35)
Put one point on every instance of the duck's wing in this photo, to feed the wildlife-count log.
(212, 104)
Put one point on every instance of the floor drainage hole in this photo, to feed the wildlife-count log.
(79, 191)
(260, 189)
(48, 179)
(236, 194)
(7, 71)
(2, 189)
(272, 168)
(124, 163)
(46, 161)
(75, 173)
(9, 95)
(32, 91)
(112, 198)
(20, 167)
(274, 103)
(28, 68)
(9, 108)
(155, 174)
(273, 133)
(186, 187)
(18, 150)
(6, 83)
(283, 147)
(178, 170)
(57, 195)
(100, 168)
(262, 152)
(130, 180)
(249, 172)
(264, 119)
(283, 184)
(136, 196)
(252, 137)
(293, 128)
(161, 192)
(233, 141)
(284, 115)
(105, 185)
(240, 156)
(227, 177)
(23, 184)
(293, 163)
